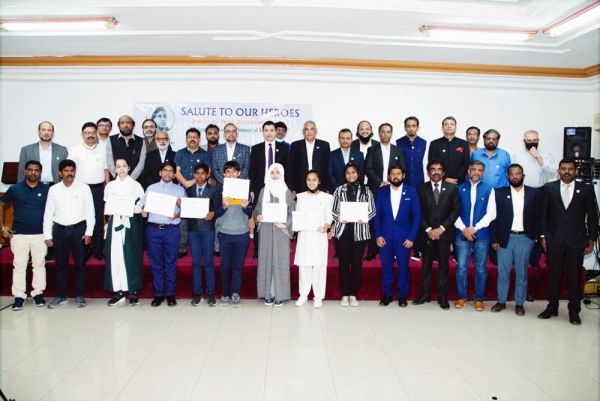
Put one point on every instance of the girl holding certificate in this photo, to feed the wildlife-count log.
(352, 237)
(273, 278)
(124, 238)
(312, 244)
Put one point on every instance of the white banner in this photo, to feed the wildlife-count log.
(176, 118)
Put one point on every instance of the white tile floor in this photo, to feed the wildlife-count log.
(265, 353)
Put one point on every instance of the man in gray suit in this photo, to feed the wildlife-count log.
(46, 152)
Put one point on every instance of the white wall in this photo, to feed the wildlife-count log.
(70, 96)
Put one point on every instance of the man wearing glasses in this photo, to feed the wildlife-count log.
(104, 128)
(156, 158)
(149, 130)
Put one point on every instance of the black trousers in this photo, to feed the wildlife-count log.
(563, 259)
(433, 250)
(69, 241)
(98, 234)
(350, 262)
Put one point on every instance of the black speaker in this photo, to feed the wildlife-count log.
(577, 142)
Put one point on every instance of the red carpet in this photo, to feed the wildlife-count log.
(370, 288)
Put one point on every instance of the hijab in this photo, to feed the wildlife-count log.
(277, 188)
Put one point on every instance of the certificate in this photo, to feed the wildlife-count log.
(354, 211)
(194, 208)
(160, 204)
(274, 213)
(305, 221)
(120, 205)
(236, 188)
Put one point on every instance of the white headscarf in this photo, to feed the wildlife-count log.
(277, 188)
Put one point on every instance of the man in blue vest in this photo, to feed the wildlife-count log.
(477, 211)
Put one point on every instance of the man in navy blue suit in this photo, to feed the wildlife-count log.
(513, 235)
(342, 156)
(396, 226)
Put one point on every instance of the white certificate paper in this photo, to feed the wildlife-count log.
(305, 221)
(160, 204)
(194, 208)
(120, 205)
(352, 212)
(236, 188)
(274, 213)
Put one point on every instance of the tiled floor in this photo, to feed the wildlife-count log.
(264, 353)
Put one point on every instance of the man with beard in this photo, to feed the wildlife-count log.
(472, 136)
(280, 133)
(149, 129)
(569, 231)
(396, 225)
(496, 160)
(513, 235)
(104, 127)
(45, 151)
(364, 133)
(230, 150)
(452, 151)
(125, 145)
(212, 138)
(156, 158)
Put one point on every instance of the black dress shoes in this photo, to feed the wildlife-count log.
(371, 255)
(385, 301)
(402, 302)
(421, 300)
(519, 310)
(157, 301)
(171, 301)
(548, 313)
(574, 319)
(443, 302)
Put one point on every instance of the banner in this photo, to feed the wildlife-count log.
(177, 118)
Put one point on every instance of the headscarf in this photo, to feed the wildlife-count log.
(277, 188)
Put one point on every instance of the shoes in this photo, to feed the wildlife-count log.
(117, 299)
(529, 297)
(353, 301)
(269, 301)
(385, 301)
(181, 255)
(371, 255)
(157, 301)
(217, 254)
(519, 310)
(57, 301)
(211, 301)
(171, 300)
(18, 304)
(255, 255)
(278, 303)
(300, 302)
(196, 300)
(317, 303)
(235, 300)
(402, 302)
(498, 307)
(336, 257)
(421, 300)
(443, 302)
(460, 303)
(479, 306)
(99, 255)
(224, 300)
(416, 256)
(344, 302)
(548, 313)
(80, 301)
(574, 319)
(133, 300)
(39, 300)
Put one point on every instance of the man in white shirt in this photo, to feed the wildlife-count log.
(104, 128)
(68, 226)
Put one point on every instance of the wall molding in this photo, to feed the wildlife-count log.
(381, 65)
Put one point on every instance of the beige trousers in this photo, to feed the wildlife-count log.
(21, 246)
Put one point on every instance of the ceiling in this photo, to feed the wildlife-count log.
(309, 29)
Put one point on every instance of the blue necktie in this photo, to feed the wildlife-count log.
(199, 191)
(270, 155)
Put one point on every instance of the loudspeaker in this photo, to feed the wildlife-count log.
(577, 142)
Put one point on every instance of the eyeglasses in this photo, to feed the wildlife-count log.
(230, 131)
(168, 171)
(532, 141)
(89, 132)
(162, 139)
(148, 126)
(104, 125)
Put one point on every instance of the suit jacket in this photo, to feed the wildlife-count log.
(443, 214)
(356, 145)
(241, 155)
(214, 196)
(32, 152)
(500, 228)
(408, 219)
(374, 165)
(151, 175)
(568, 227)
(320, 163)
(336, 167)
(256, 172)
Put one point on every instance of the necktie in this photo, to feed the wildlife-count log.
(436, 194)
(565, 196)
(199, 191)
(270, 161)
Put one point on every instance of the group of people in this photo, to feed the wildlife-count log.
(60, 204)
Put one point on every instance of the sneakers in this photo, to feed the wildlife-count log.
(80, 301)
(318, 303)
(235, 300)
(58, 301)
(39, 300)
(197, 300)
(278, 303)
(117, 299)
(479, 306)
(224, 301)
(460, 303)
(133, 300)
(211, 300)
(18, 304)
(344, 302)
(300, 302)
(416, 256)
(353, 301)
(269, 301)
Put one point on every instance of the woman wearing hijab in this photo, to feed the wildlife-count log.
(352, 237)
(273, 278)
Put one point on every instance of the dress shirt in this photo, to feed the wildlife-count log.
(171, 189)
(230, 151)
(363, 148)
(490, 213)
(536, 176)
(518, 204)
(385, 154)
(439, 187)
(91, 163)
(46, 161)
(563, 187)
(395, 196)
(496, 166)
(163, 154)
(186, 161)
(346, 155)
(310, 148)
(69, 205)
(274, 147)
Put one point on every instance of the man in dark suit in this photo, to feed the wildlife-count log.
(155, 159)
(396, 227)
(440, 207)
(342, 156)
(45, 151)
(569, 230)
(452, 151)
(512, 236)
(309, 153)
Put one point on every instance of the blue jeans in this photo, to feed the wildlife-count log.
(463, 254)
(517, 252)
(162, 251)
(202, 243)
(233, 252)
